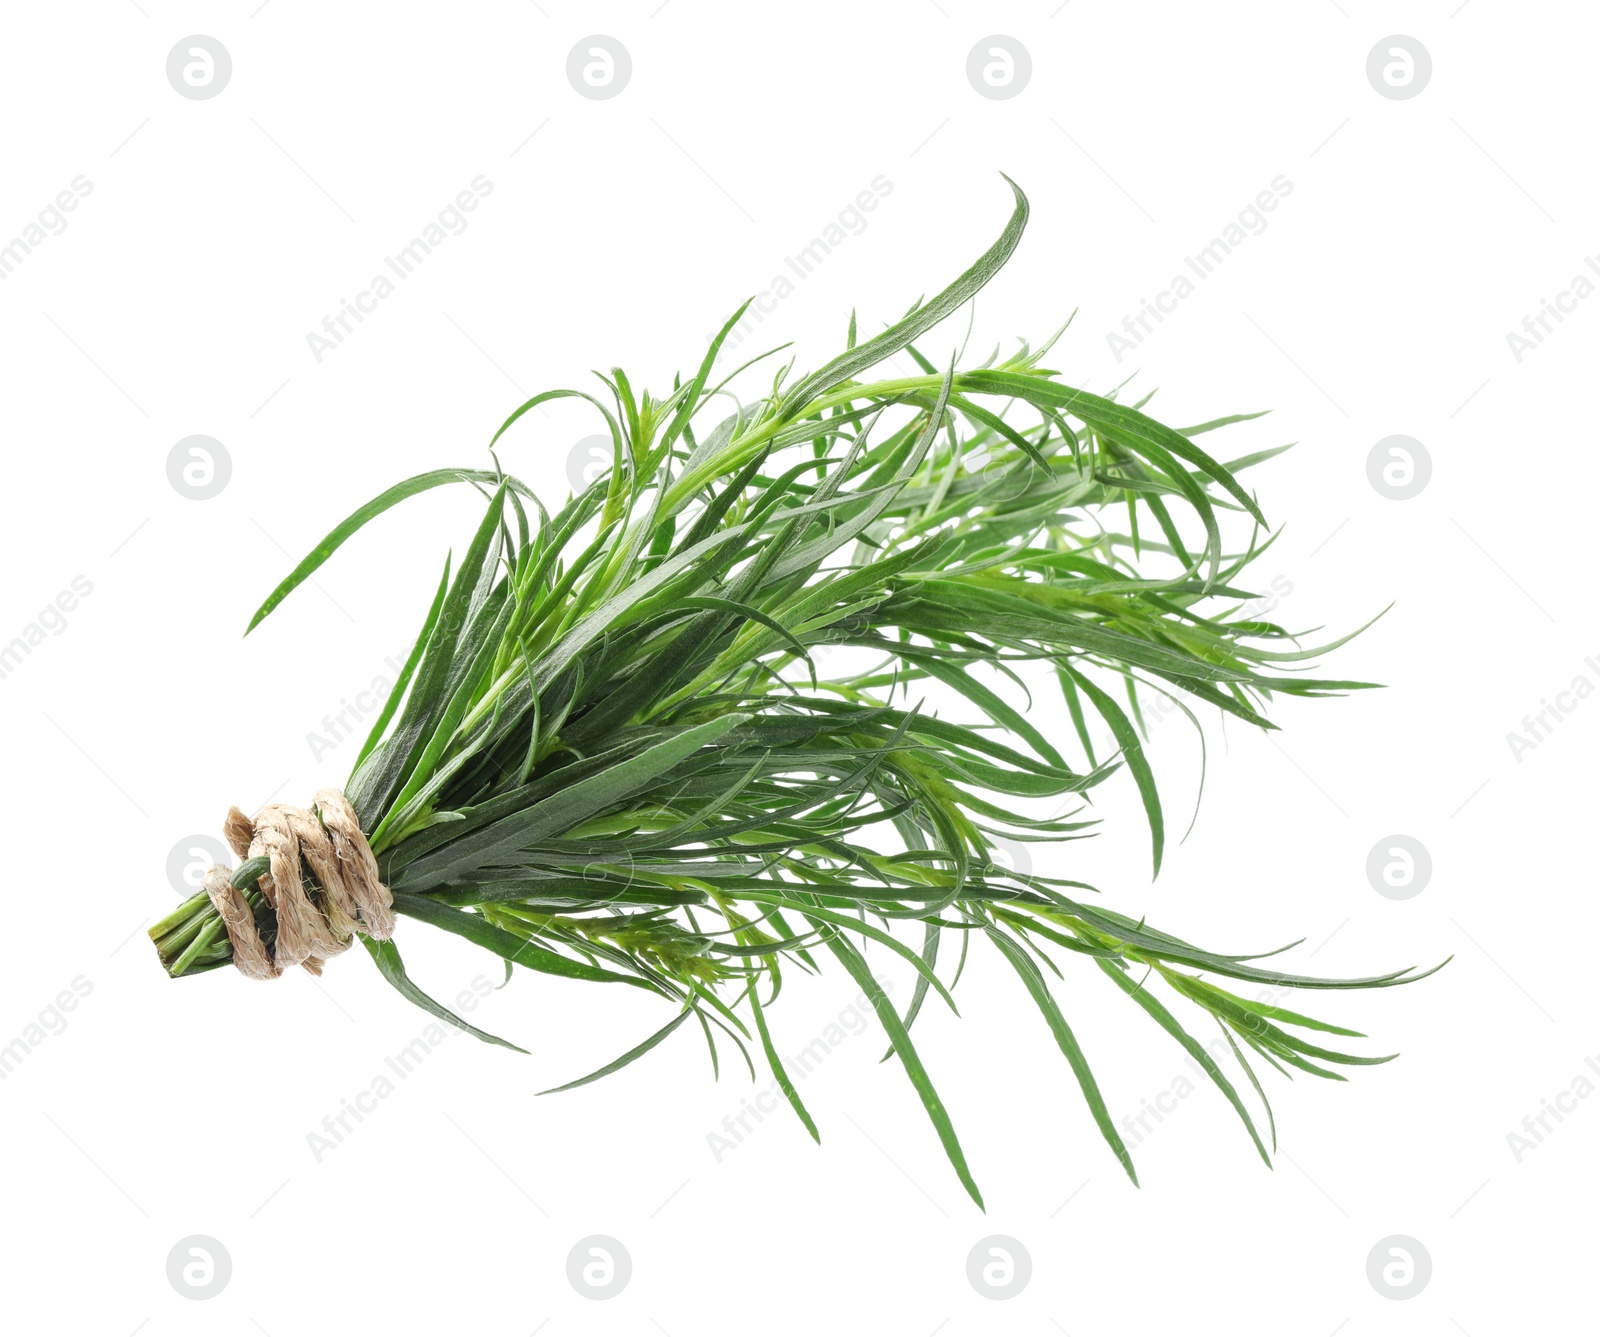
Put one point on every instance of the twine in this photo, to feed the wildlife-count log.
(353, 899)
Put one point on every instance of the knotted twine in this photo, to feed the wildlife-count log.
(329, 839)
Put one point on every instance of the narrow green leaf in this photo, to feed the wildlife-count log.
(922, 318)
(1133, 752)
(387, 957)
(508, 946)
(1198, 1052)
(898, 1035)
(376, 507)
(1040, 992)
(622, 1061)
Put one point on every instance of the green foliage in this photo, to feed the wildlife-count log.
(623, 751)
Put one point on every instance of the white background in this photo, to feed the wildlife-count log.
(178, 300)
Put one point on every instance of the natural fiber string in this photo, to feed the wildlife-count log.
(330, 841)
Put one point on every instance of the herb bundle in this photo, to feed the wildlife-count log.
(625, 748)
